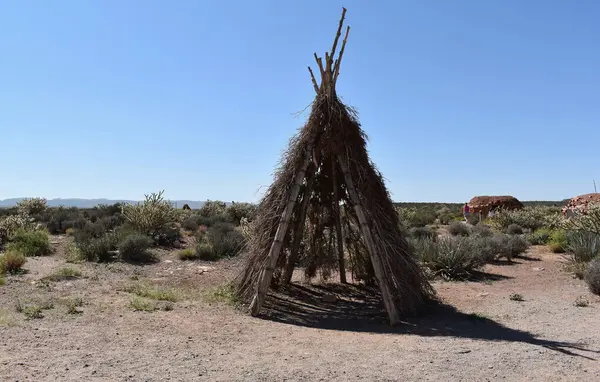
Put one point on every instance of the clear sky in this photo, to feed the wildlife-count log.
(112, 98)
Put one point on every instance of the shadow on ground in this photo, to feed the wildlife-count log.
(359, 309)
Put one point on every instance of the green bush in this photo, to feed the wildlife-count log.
(187, 254)
(583, 246)
(558, 241)
(98, 249)
(190, 224)
(481, 230)
(212, 208)
(154, 217)
(12, 262)
(239, 211)
(134, 248)
(31, 243)
(422, 232)
(514, 229)
(458, 229)
(510, 246)
(540, 236)
(225, 240)
(205, 251)
(32, 206)
(592, 276)
(9, 225)
(452, 258)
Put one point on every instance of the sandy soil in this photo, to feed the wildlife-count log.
(478, 333)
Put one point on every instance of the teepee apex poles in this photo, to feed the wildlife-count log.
(331, 70)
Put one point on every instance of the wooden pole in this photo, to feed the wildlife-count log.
(388, 301)
(338, 224)
(289, 267)
(275, 250)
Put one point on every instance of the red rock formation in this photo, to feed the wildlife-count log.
(579, 204)
(484, 204)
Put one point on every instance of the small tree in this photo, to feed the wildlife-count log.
(32, 206)
(151, 217)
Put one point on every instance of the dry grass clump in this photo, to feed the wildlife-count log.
(592, 276)
(12, 262)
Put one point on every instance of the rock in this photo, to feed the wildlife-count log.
(482, 294)
(168, 261)
(579, 204)
(204, 268)
(329, 298)
(483, 204)
(537, 269)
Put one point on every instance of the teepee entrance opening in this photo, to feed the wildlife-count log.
(328, 209)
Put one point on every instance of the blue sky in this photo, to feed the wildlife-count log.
(117, 98)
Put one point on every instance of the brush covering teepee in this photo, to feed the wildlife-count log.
(328, 208)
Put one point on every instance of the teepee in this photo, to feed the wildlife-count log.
(328, 205)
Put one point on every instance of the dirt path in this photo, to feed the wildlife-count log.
(479, 333)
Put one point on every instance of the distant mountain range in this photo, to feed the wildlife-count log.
(89, 203)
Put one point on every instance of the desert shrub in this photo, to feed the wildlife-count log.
(583, 246)
(540, 236)
(212, 220)
(96, 248)
(509, 246)
(32, 206)
(168, 236)
(415, 217)
(482, 230)
(31, 243)
(190, 224)
(206, 252)
(134, 248)
(452, 258)
(239, 211)
(10, 225)
(154, 217)
(212, 208)
(514, 229)
(558, 241)
(422, 232)
(458, 229)
(592, 276)
(187, 254)
(225, 240)
(531, 218)
(12, 261)
(588, 222)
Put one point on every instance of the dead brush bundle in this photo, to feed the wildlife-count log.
(328, 203)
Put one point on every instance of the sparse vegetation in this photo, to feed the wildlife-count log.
(516, 297)
(224, 294)
(134, 248)
(12, 262)
(558, 241)
(31, 243)
(64, 273)
(152, 292)
(540, 236)
(582, 302)
(187, 254)
(422, 233)
(583, 246)
(592, 276)
(458, 229)
(154, 217)
(514, 229)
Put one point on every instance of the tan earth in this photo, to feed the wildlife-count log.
(480, 335)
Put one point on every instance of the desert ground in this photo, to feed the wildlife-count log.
(480, 331)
